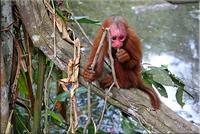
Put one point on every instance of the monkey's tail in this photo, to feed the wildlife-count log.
(155, 101)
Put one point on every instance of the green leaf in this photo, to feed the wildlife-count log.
(146, 75)
(64, 74)
(102, 132)
(82, 90)
(80, 131)
(62, 96)
(60, 13)
(55, 116)
(85, 19)
(91, 128)
(161, 76)
(160, 88)
(21, 123)
(22, 84)
(131, 126)
(179, 96)
(148, 79)
(127, 126)
(176, 80)
(179, 83)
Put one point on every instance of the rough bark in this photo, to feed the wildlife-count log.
(6, 60)
(132, 102)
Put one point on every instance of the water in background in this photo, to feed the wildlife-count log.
(169, 34)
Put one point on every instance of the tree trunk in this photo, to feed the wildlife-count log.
(6, 60)
(133, 102)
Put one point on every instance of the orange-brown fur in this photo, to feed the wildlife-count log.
(128, 74)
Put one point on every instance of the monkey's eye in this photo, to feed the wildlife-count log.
(121, 38)
(114, 37)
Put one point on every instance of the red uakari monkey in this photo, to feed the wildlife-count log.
(127, 55)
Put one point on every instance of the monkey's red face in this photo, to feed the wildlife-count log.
(118, 35)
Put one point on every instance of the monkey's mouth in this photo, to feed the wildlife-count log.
(117, 46)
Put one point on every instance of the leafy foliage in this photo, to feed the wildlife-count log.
(55, 116)
(160, 77)
(22, 84)
(85, 19)
(131, 126)
(21, 122)
(62, 96)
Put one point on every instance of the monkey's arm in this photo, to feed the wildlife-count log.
(90, 74)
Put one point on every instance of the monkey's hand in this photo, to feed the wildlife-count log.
(89, 75)
(106, 81)
(122, 56)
